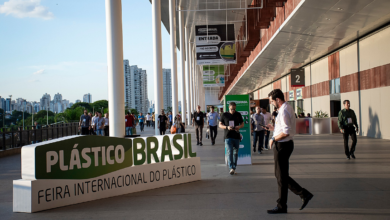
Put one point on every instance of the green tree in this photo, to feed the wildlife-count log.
(98, 105)
(83, 105)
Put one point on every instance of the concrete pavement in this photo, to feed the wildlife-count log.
(355, 189)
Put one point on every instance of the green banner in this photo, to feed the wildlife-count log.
(242, 106)
(85, 157)
(213, 75)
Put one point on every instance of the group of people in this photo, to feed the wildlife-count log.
(96, 125)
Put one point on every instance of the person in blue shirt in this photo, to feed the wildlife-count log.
(212, 124)
(170, 120)
(141, 120)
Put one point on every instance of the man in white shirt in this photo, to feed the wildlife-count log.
(267, 120)
(284, 132)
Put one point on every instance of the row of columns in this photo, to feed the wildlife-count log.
(192, 82)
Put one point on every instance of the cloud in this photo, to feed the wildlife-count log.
(26, 9)
(39, 72)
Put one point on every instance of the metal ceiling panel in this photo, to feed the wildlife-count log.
(317, 28)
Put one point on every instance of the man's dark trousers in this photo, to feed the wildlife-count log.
(282, 153)
(258, 137)
(84, 131)
(199, 133)
(213, 133)
(266, 139)
(349, 131)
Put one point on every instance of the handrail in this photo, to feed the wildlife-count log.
(19, 138)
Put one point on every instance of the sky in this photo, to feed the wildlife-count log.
(59, 46)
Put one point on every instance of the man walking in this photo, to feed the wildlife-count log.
(231, 122)
(106, 125)
(170, 120)
(284, 132)
(85, 123)
(257, 123)
(99, 124)
(198, 120)
(129, 121)
(162, 122)
(267, 120)
(148, 119)
(347, 120)
(212, 123)
(141, 120)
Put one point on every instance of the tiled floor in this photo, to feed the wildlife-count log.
(355, 189)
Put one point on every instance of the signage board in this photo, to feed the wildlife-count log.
(77, 169)
(297, 77)
(299, 93)
(291, 96)
(242, 106)
(213, 76)
(215, 44)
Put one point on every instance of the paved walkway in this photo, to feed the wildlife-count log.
(355, 189)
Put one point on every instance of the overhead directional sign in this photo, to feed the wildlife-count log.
(297, 77)
(215, 44)
(213, 75)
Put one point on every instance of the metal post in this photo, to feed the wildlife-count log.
(116, 90)
(172, 24)
(183, 70)
(157, 60)
(188, 83)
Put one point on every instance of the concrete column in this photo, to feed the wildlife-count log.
(194, 74)
(116, 87)
(188, 83)
(157, 61)
(191, 80)
(172, 28)
(183, 69)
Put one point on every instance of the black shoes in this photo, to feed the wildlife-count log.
(353, 156)
(277, 210)
(197, 143)
(200, 144)
(306, 200)
(348, 158)
(254, 150)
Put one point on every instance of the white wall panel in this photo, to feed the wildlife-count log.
(348, 60)
(265, 91)
(284, 84)
(307, 106)
(385, 116)
(321, 103)
(307, 75)
(371, 113)
(320, 71)
(375, 50)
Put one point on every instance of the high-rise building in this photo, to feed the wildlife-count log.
(2, 103)
(87, 98)
(45, 101)
(57, 100)
(8, 103)
(136, 87)
(78, 100)
(167, 88)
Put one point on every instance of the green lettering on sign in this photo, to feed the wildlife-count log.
(166, 144)
(152, 151)
(139, 151)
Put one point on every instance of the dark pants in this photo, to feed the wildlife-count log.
(141, 125)
(266, 139)
(147, 123)
(258, 136)
(349, 131)
(153, 124)
(84, 131)
(162, 130)
(282, 153)
(199, 133)
(106, 131)
(213, 133)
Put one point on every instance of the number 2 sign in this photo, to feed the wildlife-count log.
(297, 77)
